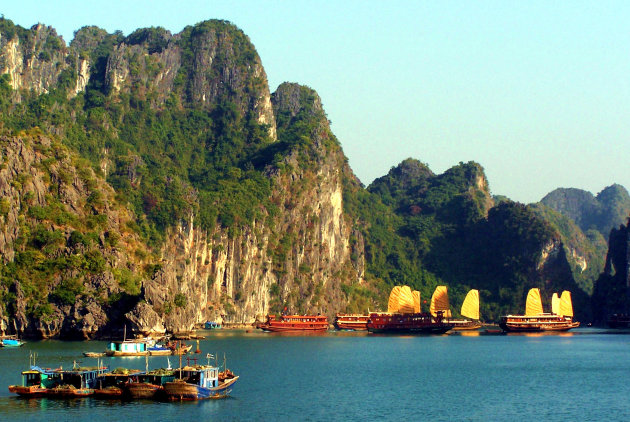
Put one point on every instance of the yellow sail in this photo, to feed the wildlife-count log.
(470, 307)
(555, 304)
(566, 306)
(533, 306)
(416, 302)
(406, 305)
(401, 300)
(439, 302)
(394, 299)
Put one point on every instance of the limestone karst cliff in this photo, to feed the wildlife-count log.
(65, 243)
(153, 181)
(612, 289)
(293, 255)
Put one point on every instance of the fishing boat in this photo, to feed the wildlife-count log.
(178, 347)
(470, 309)
(134, 347)
(288, 323)
(535, 320)
(11, 341)
(355, 322)
(110, 385)
(129, 347)
(35, 382)
(199, 382)
(159, 350)
(75, 382)
(404, 316)
(93, 354)
(149, 385)
(619, 321)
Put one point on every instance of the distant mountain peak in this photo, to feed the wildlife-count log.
(608, 209)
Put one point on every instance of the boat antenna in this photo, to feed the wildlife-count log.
(179, 352)
(125, 332)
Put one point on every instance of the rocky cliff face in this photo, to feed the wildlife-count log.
(202, 66)
(177, 124)
(296, 258)
(63, 242)
(37, 60)
(612, 289)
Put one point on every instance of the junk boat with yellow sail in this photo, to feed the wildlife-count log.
(535, 320)
(470, 309)
(404, 315)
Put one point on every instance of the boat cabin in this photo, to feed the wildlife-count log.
(157, 377)
(201, 375)
(37, 376)
(117, 377)
(80, 377)
(128, 346)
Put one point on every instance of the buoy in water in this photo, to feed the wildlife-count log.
(198, 350)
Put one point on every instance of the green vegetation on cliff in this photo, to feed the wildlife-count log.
(181, 126)
(608, 210)
(423, 230)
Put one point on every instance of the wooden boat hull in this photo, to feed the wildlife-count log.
(465, 326)
(536, 324)
(182, 350)
(108, 393)
(113, 353)
(69, 393)
(164, 352)
(32, 391)
(351, 326)
(537, 328)
(442, 329)
(142, 390)
(287, 329)
(93, 354)
(418, 323)
(295, 323)
(351, 322)
(183, 391)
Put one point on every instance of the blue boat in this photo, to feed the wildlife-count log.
(11, 342)
(136, 347)
(76, 382)
(211, 325)
(36, 382)
(199, 382)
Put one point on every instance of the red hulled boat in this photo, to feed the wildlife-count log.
(404, 316)
(288, 323)
(416, 323)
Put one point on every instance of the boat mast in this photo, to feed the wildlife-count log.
(179, 352)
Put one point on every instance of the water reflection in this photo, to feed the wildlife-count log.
(468, 333)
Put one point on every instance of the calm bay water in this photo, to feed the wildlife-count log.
(581, 375)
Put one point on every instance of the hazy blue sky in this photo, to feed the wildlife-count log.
(536, 92)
